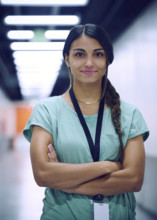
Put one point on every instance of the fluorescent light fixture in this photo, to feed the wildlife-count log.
(20, 35)
(42, 20)
(34, 67)
(49, 55)
(37, 46)
(37, 72)
(34, 61)
(27, 67)
(36, 93)
(56, 34)
(46, 2)
(36, 79)
(39, 84)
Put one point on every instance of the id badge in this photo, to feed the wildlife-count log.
(101, 211)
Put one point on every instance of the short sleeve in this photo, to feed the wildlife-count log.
(40, 117)
(138, 126)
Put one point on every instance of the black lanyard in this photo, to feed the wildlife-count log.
(95, 149)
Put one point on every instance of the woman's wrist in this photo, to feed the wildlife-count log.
(110, 167)
(115, 166)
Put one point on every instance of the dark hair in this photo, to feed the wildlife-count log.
(93, 31)
(112, 97)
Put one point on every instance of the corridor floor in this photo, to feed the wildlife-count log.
(20, 197)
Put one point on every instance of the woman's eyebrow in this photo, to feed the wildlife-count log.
(98, 49)
(80, 49)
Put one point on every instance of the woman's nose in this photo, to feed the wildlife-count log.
(89, 62)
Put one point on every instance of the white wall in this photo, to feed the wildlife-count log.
(3, 98)
(134, 70)
(5, 132)
(7, 115)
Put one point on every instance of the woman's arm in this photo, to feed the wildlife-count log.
(129, 179)
(62, 175)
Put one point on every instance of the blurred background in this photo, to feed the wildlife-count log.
(32, 35)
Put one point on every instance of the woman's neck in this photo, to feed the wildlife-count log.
(87, 93)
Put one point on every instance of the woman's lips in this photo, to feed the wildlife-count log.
(88, 72)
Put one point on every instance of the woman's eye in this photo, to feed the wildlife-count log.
(79, 54)
(99, 54)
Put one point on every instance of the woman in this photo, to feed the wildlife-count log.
(87, 145)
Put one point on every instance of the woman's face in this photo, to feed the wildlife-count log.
(86, 60)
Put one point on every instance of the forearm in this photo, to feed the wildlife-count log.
(64, 175)
(121, 181)
(129, 179)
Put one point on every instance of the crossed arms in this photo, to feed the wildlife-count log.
(104, 177)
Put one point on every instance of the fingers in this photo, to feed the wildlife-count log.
(52, 154)
(119, 165)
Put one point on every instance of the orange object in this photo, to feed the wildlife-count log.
(22, 116)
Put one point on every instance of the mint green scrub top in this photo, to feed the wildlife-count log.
(70, 143)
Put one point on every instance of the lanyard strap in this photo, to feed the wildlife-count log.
(95, 149)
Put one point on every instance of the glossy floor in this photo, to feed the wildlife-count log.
(20, 197)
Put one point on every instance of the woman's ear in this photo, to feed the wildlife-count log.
(67, 60)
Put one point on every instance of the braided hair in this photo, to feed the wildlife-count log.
(111, 96)
(113, 101)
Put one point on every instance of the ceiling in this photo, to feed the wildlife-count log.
(114, 16)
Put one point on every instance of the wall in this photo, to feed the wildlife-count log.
(13, 117)
(133, 73)
(6, 115)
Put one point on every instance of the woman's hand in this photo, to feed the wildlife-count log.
(114, 166)
(86, 178)
(127, 179)
(52, 154)
(48, 172)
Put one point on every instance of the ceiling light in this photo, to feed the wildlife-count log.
(46, 2)
(38, 79)
(37, 72)
(37, 46)
(35, 93)
(34, 64)
(20, 35)
(37, 84)
(49, 55)
(42, 20)
(56, 34)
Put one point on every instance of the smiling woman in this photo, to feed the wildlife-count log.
(87, 145)
(86, 61)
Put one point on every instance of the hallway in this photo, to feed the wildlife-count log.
(133, 74)
(21, 198)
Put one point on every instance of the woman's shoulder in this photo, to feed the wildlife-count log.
(127, 107)
(48, 105)
(132, 118)
(49, 101)
(128, 111)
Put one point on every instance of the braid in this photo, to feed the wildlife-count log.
(113, 101)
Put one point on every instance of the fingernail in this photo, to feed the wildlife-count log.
(50, 146)
(49, 155)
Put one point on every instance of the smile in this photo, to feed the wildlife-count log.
(88, 72)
